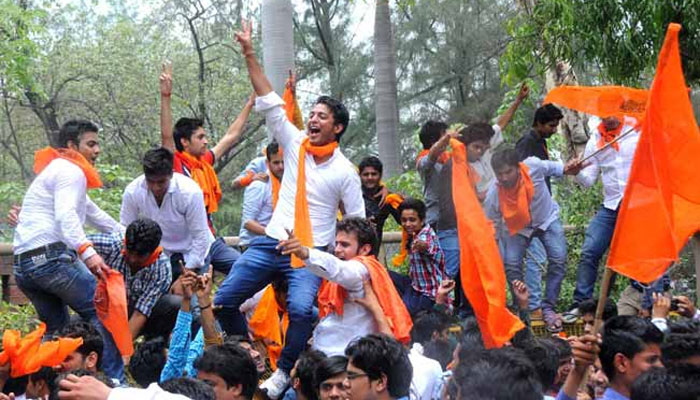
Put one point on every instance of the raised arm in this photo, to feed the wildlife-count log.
(440, 146)
(505, 118)
(234, 132)
(257, 77)
(166, 112)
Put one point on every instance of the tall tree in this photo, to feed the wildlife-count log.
(278, 41)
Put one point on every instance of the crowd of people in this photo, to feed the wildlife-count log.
(305, 309)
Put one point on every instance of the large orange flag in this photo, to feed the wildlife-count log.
(661, 206)
(481, 269)
(603, 101)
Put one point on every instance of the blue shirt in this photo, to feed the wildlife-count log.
(430, 173)
(610, 394)
(182, 350)
(257, 206)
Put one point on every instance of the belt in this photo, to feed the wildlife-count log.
(56, 246)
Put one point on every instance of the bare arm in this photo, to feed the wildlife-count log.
(440, 146)
(371, 303)
(507, 116)
(211, 335)
(166, 112)
(136, 323)
(254, 227)
(257, 77)
(234, 132)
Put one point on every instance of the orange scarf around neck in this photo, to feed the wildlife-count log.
(444, 157)
(515, 202)
(607, 136)
(43, 157)
(331, 298)
(205, 176)
(152, 258)
(302, 220)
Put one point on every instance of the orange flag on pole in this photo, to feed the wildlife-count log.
(603, 101)
(661, 206)
(481, 269)
(291, 106)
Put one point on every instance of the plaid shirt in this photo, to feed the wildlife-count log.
(143, 288)
(427, 269)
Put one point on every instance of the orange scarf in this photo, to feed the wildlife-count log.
(265, 324)
(302, 220)
(205, 176)
(152, 258)
(331, 298)
(394, 200)
(400, 257)
(441, 160)
(43, 157)
(515, 202)
(608, 136)
(275, 190)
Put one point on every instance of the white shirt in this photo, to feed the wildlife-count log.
(152, 392)
(327, 184)
(426, 383)
(483, 166)
(334, 332)
(181, 216)
(613, 166)
(56, 207)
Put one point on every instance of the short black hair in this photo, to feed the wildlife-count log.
(72, 130)
(547, 113)
(675, 383)
(589, 307)
(92, 340)
(271, 149)
(681, 343)
(410, 203)
(373, 162)
(233, 364)
(158, 162)
(328, 368)
(627, 335)
(340, 113)
(79, 372)
(143, 236)
(46, 374)
(475, 132)
(189, 387)
(426, 323)
(148, 361)
(306, 370)
(504, 156)
(184, 128)
(471, 339)
(545, 358)
(430, 133)
(361, 228)
(378, 355)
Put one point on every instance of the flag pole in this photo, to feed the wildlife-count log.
(602, 299)
(610, 143)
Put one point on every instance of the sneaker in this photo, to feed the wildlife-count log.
(571, 316)
(275, 385)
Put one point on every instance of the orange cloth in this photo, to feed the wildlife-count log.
(603, 101)
(663, 190)
(275, 190)
(400, 257)
(247, 179)
(152, 258)
(514, 203)
(43, 157)
(441, 160)
(27, 355)
(481, 270)
(203, 173)
(394, 200)
(265, 324)
(111, 306)
(291, 106)
(607, 136)
(302, 221)
(331, 298)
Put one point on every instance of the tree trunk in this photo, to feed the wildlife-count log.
(573, 125)
(385, 96)
(278, 41)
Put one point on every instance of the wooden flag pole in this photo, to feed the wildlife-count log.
(602, 299)
(610, 143)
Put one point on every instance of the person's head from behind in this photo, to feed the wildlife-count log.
(354, 237)
(41, 383)
(682, 344)
(430, 326)
(631, 345)
(275, 160)
(303, 374)
(80, 136)
(327, 121)
(681, 383)
(371, 170)
(142, 238)
(158, 170)
(431, 132)
(330, 378)
(469, 342)
(544, 356)
(229, 370)
(148, 361)
(89, 355)
(95, 380)
(546, 120)
(587, 310)
(245, 343)
(189, 387)
(189, 136)
(378, 368)
(477, 139)
(412, 214)
(506, 165)
(565, 357)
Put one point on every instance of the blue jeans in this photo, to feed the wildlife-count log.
(535, 259)
(416, 301)
(60, 280)
(258, 266)
(449, 242)
(554, 243)
(222, 256)
(597, 241)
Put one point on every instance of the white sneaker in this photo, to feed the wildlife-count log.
(571, 316)
(275, 385)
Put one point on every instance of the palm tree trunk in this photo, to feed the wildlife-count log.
(278, 41)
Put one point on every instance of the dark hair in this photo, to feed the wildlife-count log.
(471, 339)
(328, 368)
(426, 323)
(189, 387)
(410, 203)
(378, 355)
(475, 132)
(545, 358)
(372, 162)
(184, 128)
(158, 162)
(563, 347)
(272, 148)
(676, 383)
(340, 113)
(440, 351)
(680, 346)
(148, 361)
(233, 364)
(72, 130)
(306, 370)
(504, 156)
(143, 236)
(237, 339)
(547, 113)
(430, 133)
(627, 335)
(46, 374)
(79, 372)
(92, 340)
(589, 307)
(361, 228)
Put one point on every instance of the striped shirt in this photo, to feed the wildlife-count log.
(427, 269)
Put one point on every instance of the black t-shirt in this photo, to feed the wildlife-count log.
(448, 217)
(531, 145)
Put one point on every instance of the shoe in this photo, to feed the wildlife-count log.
(552, 321)
(536, 315)
(275, 385)
(571, 316)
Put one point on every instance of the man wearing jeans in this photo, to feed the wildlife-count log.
(53, 257)
(317, 178)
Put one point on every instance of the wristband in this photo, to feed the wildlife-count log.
(218, 340)
(205, 307)
(84, 247)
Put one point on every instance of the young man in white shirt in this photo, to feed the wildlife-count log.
(53, 257)
(314, 193)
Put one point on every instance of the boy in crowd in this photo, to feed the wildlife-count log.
(330, 376)
(374, 193)
(230, 370)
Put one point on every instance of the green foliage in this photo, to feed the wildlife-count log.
(17, 49)
(22, 318)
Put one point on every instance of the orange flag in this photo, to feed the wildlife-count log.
(603, 101)
(111, 306)
(291, 106)
(663, 191)
(481, 269)
(27, 355)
